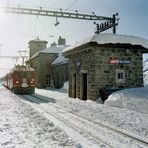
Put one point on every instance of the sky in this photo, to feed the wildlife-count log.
(17, 30)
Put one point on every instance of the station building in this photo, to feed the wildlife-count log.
(50, 66)
(108, 61)
(60, 71)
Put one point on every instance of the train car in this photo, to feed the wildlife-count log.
(20, 80)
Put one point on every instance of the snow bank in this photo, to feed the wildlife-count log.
(66, 86)
(146, 78)
(132, 121)
(145, 72)
(134, 99)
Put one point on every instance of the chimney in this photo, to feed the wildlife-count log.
(53, 44)
(61, 41)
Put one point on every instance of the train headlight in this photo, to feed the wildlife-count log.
(32, 81)
(16, 82)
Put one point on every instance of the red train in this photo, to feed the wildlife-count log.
(20, 80)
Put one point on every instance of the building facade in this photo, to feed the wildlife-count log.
(42, 65)
(36, 45)
(48, 74)
(60, 73)
(105, 61)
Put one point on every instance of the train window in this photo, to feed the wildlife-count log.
(26, 74)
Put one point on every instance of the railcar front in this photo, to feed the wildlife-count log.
(22, 80)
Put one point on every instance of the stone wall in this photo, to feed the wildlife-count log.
(97, 64)
(42, 65)
(60, 75)
(35, 46)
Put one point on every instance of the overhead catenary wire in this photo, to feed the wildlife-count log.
(61, 13)
(35, 26)
(54, 3)
(67, 7)
(71, 4)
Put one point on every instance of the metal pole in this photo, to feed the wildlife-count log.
(114, 23)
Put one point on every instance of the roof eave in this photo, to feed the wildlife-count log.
(106, 45)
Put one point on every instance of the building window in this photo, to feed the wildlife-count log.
(120, 76)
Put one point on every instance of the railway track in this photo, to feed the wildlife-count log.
(101, 134)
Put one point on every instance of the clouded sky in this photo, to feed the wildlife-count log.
(17, 30)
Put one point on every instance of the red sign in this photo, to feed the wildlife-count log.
(113, 61)
(118, 61)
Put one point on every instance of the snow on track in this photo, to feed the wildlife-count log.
(60, 118)
(95, 132)
(128, 120)
(21, 126)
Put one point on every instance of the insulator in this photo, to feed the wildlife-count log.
(102, 26)
(105, 24)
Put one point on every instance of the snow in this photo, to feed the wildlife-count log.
(107, 38)
(66, 86)
(145, 72)
(135, 99)
(132, 121)
(145, 67)
(23, 125)
(22, 68)
(38, 40)
(53, 49)
(60, 60)
(146, 77)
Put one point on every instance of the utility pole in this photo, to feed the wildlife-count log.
(114, 23)
(107, 25)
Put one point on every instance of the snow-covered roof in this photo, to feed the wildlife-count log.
(37, 40)
(60, 60)
(21, 68)
(107, 38)
(50, 50)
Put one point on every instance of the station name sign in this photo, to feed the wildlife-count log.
(118, 61)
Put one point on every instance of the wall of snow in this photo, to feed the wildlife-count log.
(145, 72)
(134, 99)
(66, 86)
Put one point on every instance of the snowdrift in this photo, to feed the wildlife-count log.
(134, 99)
(65, 86)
